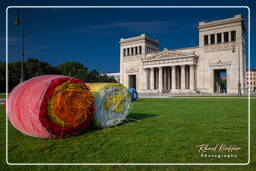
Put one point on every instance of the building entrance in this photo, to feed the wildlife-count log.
(132, 81)
(220, 81)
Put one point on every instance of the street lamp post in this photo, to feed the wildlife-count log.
(18, 22)
(239, 79)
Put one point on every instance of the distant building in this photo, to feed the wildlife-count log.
(251, 80)
(115, 75)
(223, 78)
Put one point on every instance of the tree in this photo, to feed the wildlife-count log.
(223, 84)
(2, 77)
(93, 76)
(33, 67)
(14, 74)
(107, 79)
(73, 69)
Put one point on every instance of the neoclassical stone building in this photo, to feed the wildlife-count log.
(221, 53)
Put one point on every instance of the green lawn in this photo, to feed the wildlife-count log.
(2, 95)
(166, 131)
(216, 96)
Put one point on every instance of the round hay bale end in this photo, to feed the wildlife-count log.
(51, 106)
(112, 101)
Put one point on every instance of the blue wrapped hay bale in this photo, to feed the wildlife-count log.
(134, 94)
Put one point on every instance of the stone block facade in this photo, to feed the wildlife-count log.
(196, 69)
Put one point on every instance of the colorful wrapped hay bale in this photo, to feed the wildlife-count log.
(112, 101)
(51, 106)
(134, 94)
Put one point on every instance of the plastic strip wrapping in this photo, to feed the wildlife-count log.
(51, 106)
(112, 101)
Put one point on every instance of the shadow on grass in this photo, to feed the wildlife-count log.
(135, 117)
(139, 116)
(132, 117)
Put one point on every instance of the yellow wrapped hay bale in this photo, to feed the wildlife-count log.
(112, 101)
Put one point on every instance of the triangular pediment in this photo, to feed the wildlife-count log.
(220, 63)
(168, 54)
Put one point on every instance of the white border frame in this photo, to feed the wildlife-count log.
(249, 114)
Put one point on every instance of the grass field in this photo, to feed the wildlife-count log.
(2, 95)
(216, 96)
(165, 131)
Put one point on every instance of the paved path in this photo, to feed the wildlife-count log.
(191, 97)
(2, 101)
(183, 97)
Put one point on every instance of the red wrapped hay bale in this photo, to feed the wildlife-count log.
(51, 106)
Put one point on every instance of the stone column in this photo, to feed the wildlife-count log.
(164, 81)
(173, 78)
(182, 77)
(222, 37)
(169, 78)
(151, 78)
(192, 77)
(146, 78)
(229, 36)
(157, 79)
(160, 81)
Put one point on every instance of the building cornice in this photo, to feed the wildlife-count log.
(139, 38)
(236, 18)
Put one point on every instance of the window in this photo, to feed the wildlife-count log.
(225, 36)
(206, 40)
(132, 51)
(233, 36)
(128, 51)
(136, 50)
(219, 38)
(140, 50)
(124, 52)
(212, 38)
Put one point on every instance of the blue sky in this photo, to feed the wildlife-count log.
(91, 36)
